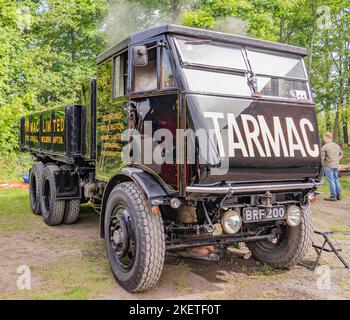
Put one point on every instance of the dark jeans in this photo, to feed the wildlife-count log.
(332, 177)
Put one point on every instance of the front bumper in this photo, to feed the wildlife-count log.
(227, 188)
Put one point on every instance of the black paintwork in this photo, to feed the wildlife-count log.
(88, 99)
(83, 136)
(141, 37)
(162, 112)
(255, 168)
(67, 185)
(57, 133)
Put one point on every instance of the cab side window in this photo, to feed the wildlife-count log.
(167, 76)
(120, 75)
(145, 78)
(157, 74)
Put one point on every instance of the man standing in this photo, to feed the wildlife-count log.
(331, 154)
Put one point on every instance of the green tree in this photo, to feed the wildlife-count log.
(13, 40)
(47, 48)
(127, 16)
(71, 33)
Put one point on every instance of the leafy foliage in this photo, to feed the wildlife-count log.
(47, 48)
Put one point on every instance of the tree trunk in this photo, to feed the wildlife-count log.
(281, 29)
(336, 126)
(346, 134)
(328, 120)
(175, 9)
(74, 51)
(312, 36)
(345, 119)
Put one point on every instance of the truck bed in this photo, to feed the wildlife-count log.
(58, 133)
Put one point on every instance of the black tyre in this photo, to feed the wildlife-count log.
(72, 207)
(35, 183)
(289, 248)
(71, 212)
(134, 239)
(51, 208)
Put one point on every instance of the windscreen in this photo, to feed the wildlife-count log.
(223, 69)
(205, 53)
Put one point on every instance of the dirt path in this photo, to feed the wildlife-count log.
(69, 262)
(13, 185)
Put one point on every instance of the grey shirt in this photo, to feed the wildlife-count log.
(331, 154)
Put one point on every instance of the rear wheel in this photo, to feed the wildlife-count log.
(52, 209)
(290, 245)
(35, 182)
(134, 239)
(71, 212)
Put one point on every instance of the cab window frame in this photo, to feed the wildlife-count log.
(120, 71)
(161, 52)
(183, 64)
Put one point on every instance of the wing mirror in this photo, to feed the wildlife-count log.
(139, 56)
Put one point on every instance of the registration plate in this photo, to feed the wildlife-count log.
(255, 214)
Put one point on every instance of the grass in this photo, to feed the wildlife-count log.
(180, 284)
(218, 295)
(13, 165)
(182, 270)
(346, 158)
(344, 183)
(66, 278)
(265, 271)
(346, 285)
(15, 211)
(74, 269)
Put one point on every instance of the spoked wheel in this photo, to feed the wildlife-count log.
(122, 237)
(289, 246)
(134, 238)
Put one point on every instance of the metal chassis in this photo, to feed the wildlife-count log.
(216, 240)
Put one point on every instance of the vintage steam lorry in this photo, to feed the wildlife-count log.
(186, 138)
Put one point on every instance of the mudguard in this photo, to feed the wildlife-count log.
(150, 187)
(67, 185)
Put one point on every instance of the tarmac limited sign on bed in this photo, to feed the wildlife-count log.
(274, 142)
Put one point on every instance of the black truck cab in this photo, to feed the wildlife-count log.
(186, 138)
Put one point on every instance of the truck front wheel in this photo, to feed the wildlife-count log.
(35, 181)
(289, 247)
(134, 239)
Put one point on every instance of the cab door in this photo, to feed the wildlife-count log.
(154, 113)
(112, 115)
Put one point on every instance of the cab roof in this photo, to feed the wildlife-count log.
(141, 36)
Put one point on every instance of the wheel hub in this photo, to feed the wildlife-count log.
(122, 238)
